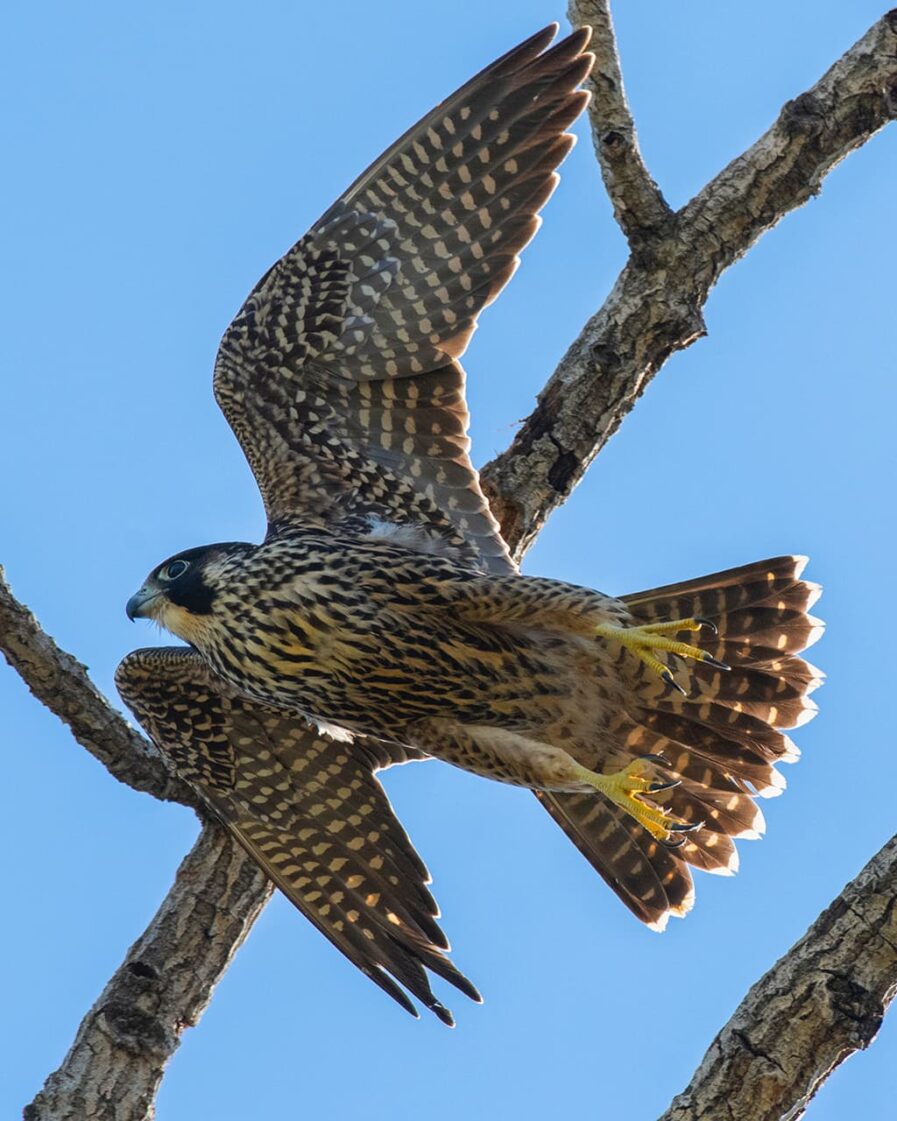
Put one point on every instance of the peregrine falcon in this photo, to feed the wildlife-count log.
(382, 618)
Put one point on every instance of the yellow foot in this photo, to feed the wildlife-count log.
(627, 788)
(644, 640)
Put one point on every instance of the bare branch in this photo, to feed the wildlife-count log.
(654, 309)
(123, 1045)
(824, 1000)
(639, 206)
(656, 305)
(785, 168)
(115, 1065)
(61, 683)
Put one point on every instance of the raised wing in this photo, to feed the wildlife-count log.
(309, 810)
(339, 374)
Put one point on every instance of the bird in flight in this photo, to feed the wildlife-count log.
(382, 618)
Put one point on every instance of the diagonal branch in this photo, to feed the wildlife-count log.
(639, 206)
(654, 309)
(825, 999)
(60, 681)
(116, 1062)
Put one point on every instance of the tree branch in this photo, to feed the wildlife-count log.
(61, 683)
(113, 1069)
(655, 307)
(825, 999)
(117, 1060)
(639, 206)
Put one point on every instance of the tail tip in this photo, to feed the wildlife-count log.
(817, 630)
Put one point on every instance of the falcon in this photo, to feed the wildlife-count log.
(382, 618)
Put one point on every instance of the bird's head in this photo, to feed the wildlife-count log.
(180, 593)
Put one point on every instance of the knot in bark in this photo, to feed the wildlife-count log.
(136, 1031)
(804, 114)
(144, 970)
(614, 142)
(861, 1007)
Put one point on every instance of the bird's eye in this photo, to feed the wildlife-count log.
(174, 570)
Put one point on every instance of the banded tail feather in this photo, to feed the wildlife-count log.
(722, 740)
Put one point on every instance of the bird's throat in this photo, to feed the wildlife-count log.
(183, 623)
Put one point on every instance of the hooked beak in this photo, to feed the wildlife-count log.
(137, 606)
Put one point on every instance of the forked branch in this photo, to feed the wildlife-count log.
(827, 997)
(656, 304)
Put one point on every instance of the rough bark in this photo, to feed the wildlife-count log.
(113, 1069)
(639, 206)
(831, 991)
(655, 307)
(825, 999)
(60, 682)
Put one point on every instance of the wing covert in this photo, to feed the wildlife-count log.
(339, 375)
(308, 809)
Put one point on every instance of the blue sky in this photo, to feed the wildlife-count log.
(160, 159)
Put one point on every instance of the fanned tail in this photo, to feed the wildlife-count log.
(722, 740)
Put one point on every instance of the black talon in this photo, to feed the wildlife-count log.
(656, 787)
(659, 759)
(686, 827)
(712, 627)
(716, 662)
(668, 678)
(674, 844)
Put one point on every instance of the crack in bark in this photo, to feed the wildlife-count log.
(655, 308)
(756, 1052)
(873, 927)
(823, 1000)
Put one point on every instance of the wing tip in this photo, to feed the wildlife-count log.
(582, 36)
(442, 1013)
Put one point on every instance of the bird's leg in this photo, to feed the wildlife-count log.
(627, 789)
(509, 757)
(653, 638)
(567, 609)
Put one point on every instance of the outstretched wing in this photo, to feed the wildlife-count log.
(339, 375)
(309, 810)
